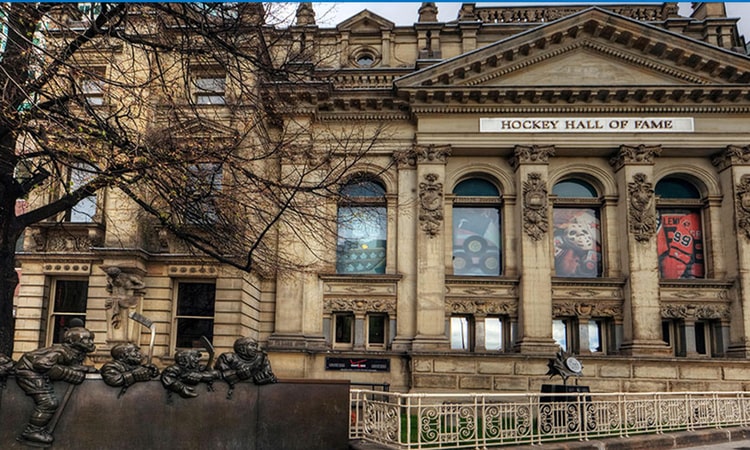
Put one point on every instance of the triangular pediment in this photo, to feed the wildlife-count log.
(594, 47)
(365, 22)
(203, 129)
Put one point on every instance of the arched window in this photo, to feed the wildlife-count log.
(362, 226)
(477, 249)
(577, 235)
(679, 234)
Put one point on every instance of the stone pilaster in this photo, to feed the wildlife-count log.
(406, 266)
(534, 249)
(430, 241)
(642, 333)
(733, 165)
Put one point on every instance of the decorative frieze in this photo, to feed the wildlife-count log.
(639, 155)
(431, 204)
(587, 309)
(530, 154)
(432, 153)
(192, 271)
(733, 155)
(742, 205)
(641, 211)
(360, 305)
(535, 220)
(475, 306)
(65, 238)
(66, 268)
(696, 311)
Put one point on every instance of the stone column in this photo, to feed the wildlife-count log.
(634, 167)
(406, 259)
(430, 241)
(530, 164)
(733, 165)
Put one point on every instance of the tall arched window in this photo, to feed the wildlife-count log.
(362, 226)
(679, 236)
(477, 244)
(577, 235)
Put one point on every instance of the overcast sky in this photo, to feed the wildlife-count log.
(329, 14)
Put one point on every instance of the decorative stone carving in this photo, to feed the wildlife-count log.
(695, 311)
(582, 309)
(432, 153)
(125, 290)
(731, 156)
(474, 306)
(360, 305)
(305, 14)
(405, 159)
(534, 154)
(431, 204)
(535, 220)
(742, 205)
(641, 213)
(642, 154)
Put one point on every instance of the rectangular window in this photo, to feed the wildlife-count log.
(195, 313)
(679, 243)
(361, 242)
(476, 241)
(565, 334)
(493, 333)
(68, 307)
(209, 90)
(577, 241)
(673, 333)
(596, 329)
(92, 87)
(377, 327)
(343, 329)
(85, 210)
(462, 333)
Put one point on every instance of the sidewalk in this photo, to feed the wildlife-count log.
(724, 439)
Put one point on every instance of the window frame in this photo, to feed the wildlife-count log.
(369, 343)
(476, 201)
(93, 200)
(682, 206)
(338, 317)
(202, 207)
(505, 333)
(379, 208)
(176, 316)
(468, 343)
(94, 78)
(198, 93)
(595, 203)
(52, 313)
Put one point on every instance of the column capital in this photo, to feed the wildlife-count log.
(630, 155)
(431, 153)
(405, 159)
(531, 154)
(733, 155)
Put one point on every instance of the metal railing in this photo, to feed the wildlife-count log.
(474, 420)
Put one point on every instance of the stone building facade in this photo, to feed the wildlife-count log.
(562, 176)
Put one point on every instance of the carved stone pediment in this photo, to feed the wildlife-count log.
(619, 57)
(366, 22)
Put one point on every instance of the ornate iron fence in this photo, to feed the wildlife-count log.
(474, 420)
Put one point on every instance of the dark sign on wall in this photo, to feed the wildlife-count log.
(359, 364)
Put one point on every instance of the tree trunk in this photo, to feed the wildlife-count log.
(8, 283)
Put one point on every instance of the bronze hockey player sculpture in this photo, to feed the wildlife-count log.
(127, 368)
(37, 369)
(247, 362)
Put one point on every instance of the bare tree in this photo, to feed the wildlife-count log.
(201, 114)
